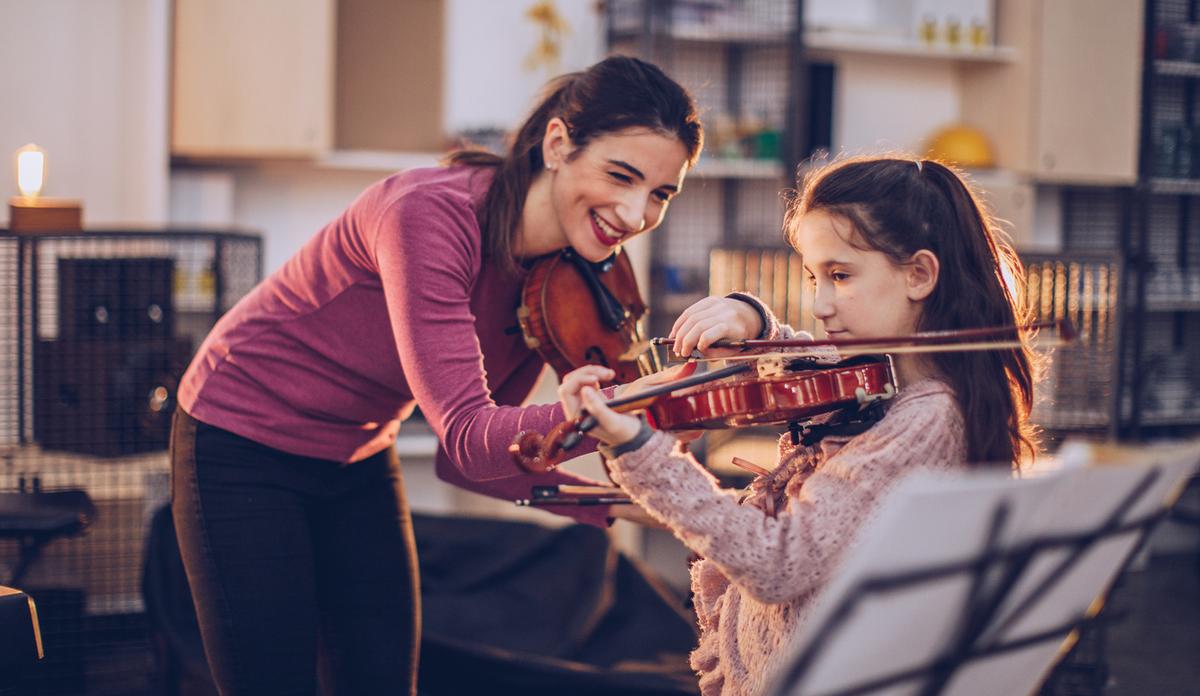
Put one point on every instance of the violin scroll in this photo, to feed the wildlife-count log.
(537, 453)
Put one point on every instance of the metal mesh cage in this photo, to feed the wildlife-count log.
(95, 332)
(734, 57)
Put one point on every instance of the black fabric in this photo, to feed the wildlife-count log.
(174, 632)
(509, 607)
(304, 571)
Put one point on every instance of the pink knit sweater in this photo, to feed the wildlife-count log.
(755, 586)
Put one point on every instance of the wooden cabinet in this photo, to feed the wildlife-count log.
(300, 78)
(1066, 109)
(252, 78)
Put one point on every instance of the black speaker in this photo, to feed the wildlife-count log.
(127, 298)
(106, 398)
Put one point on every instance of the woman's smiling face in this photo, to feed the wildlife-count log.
(615, 187)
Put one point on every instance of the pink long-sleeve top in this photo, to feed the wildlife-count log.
(759, 574)
(392, 305)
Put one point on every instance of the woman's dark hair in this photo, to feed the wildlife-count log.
(617, 93)
(899, 206)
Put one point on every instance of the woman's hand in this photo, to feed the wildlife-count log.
(580, 389)
(711, 320)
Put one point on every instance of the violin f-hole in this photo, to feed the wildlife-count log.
(593, 355)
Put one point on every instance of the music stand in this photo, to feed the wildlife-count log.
(976, 583)
(20, 635)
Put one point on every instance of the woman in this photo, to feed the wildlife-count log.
(288, 500)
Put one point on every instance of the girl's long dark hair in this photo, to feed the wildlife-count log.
(899, 206)
(617, 93)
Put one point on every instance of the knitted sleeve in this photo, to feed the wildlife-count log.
(776, 559)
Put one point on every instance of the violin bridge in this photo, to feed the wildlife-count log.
(772, 366)
(865, 400)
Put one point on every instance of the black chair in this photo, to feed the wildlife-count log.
(36, 518)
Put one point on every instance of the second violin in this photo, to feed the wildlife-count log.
(574, 312)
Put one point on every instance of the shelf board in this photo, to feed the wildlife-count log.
(701, 33)
(1177, 68)
(834, 42)
(1183, 304)
(831, 42)
(1187, 187)
(726, 168)
(1068, 424)
(377, 161)
(1191, 417)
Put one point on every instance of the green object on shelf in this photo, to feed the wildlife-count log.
(766, 144)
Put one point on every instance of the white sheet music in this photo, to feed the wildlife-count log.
(932, 520)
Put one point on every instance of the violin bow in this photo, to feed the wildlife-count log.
(901, 344)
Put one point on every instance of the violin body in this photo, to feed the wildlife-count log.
(574, 313)
(746, 400)
(797, 392)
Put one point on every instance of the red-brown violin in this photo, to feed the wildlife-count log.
(574, 312)
(752, 392)
(771, 389)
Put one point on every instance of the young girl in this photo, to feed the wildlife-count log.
(288, 500)
(892, 247)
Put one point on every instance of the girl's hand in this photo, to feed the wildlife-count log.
(711, 320)
(580, 389)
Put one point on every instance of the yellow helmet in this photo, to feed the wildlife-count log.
(961, 145)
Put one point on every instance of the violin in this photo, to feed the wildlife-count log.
(575, 312)
(772, 389)
(747, 393)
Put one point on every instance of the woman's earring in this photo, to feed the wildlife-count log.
(549, 166)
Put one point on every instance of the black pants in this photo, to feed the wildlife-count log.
(303, 571)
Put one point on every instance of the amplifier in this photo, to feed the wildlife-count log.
(106, 397)
(122, 298)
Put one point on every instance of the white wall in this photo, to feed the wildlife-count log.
(890, 103)
(288, 203)
(487, 86)
(487, 42)
(87, 81)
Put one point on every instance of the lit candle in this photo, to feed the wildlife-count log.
(31, 170)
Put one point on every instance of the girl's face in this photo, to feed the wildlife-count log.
(861, 293)
(618, 186)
